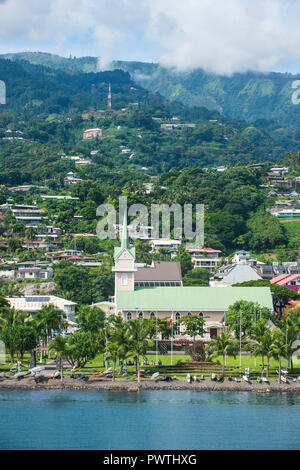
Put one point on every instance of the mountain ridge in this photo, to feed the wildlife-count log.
(244, 96)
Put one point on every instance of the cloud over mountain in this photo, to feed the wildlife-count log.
(219, 36)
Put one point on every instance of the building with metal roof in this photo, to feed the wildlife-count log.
(136, 300)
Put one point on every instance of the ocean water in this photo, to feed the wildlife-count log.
(70, 419)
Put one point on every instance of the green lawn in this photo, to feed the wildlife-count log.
(97, 363)
(26, 362)
(247, 361)
(291, 226)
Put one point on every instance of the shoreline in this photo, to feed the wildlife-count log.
(132, 386)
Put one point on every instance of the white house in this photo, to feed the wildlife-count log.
(92, 133)
(234, 274)
(207, 258)
(34, 303)
(165, 243)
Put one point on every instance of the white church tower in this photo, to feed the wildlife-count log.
(124, 268)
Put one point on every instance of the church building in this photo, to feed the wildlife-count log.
(157, 291)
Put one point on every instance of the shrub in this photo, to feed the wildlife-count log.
(197, 351)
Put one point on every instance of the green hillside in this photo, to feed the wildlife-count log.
(43, 117)
(246, 96)
(41, 131)
(37, 89)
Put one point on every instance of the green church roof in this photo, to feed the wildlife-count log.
(191, 298)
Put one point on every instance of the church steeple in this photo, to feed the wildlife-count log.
(124, 268)
(124, 241)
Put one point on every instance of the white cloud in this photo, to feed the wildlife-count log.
(227, 36)
(222, 36)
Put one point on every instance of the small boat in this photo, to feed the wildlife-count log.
(39, 374)
(106, 372)
(56, 375)
(155, 375)
(265, 380)
(39, 377)
(245, 378)
(20, 375)
(284, 380)
(213, 376)
(36, 369)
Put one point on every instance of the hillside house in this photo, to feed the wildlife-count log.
(207, 258)
(92, 133)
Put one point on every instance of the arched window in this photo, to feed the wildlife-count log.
(129, 316)
(200, 314)
(189, 313)
(177, 324)
(141, 315)
(124, 279)
(152, 315)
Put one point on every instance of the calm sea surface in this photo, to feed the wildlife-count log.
(148, 420)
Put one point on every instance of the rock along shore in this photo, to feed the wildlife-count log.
(95, 383)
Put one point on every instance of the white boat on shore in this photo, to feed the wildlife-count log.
(36, 370)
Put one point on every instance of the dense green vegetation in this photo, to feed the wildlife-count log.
(117, 340)
(248, 96)
(45, 105)
(41, 128)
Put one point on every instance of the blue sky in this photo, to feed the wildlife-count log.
(220, 36)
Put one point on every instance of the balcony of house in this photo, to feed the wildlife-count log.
(207, 258)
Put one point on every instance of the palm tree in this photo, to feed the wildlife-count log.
(291, 328)
(113, 353)
(120, 334)
(278, 348)
(11, 316)
(263, 348)
(3, 302)
(267, 344)
(291, 336)
(222, 345)
(30, 234)
(60, 347)
(49, 318)
(259, 340)
(139, 330)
